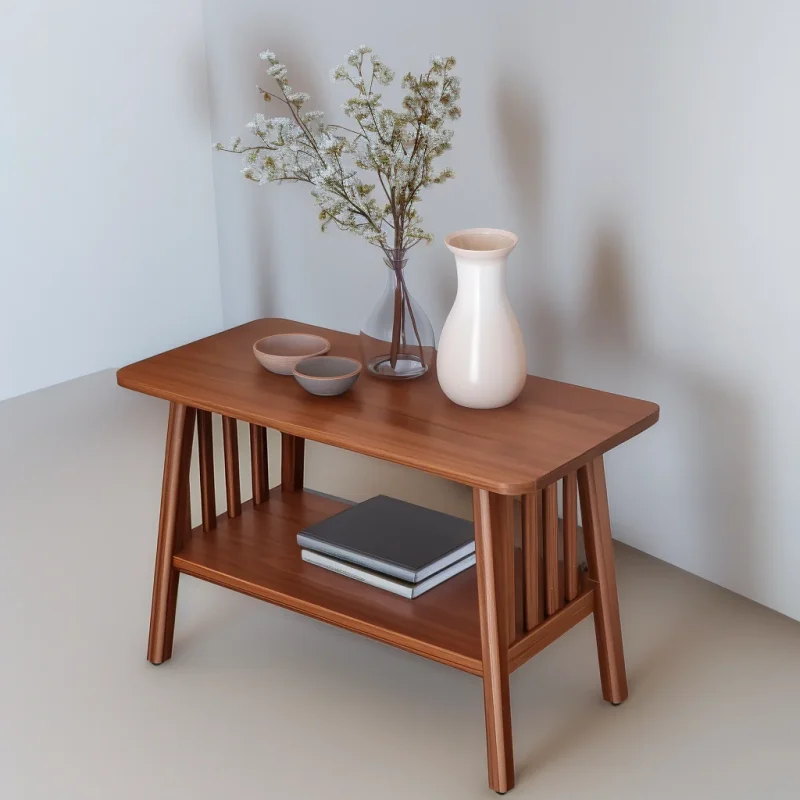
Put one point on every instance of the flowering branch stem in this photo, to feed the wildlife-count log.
(413, 319)
(398, 146)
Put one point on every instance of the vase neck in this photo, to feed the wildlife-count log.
(484, 279)
(395, 258)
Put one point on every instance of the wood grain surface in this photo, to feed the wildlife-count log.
(532, 557)
(570, 533)
(173, 529)
(230, 447)
(205, 448)
(600, 555)
(494, 537)
(550, 430)
(257, 553)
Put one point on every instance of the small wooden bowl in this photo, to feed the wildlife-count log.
(327, 376)
(282, 351)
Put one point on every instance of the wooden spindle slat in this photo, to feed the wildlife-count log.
(532, 558)
(205, 450)
(230, 442)
(292, 462)
(570, 533)
(552, 595)
(507, 524)
(258, 461)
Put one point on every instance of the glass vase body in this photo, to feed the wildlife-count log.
(397, 340)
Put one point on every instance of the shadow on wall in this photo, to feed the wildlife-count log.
(712, 491)
(243, 220)
(521, 135)
(262, 227)
(264, 272)
(254, 283)
(701, 473)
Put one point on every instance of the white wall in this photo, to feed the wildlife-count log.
(647, 154)
(108, 249)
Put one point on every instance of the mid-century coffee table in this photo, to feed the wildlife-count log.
(488, 621)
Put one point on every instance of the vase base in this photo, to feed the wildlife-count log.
(406, 366)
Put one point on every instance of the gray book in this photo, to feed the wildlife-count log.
(392, 537)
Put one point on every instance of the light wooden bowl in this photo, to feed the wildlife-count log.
(281, 352)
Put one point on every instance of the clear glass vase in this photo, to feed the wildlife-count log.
(397, 340)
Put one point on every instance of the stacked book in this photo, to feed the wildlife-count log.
(396, 546)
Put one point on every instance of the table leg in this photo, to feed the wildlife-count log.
(600, 555)
(292, 462)
(494, 541)
(174, 524)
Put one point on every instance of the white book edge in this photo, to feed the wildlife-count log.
(379, 565)
(402, 588)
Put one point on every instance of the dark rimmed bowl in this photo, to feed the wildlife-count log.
(327, 376)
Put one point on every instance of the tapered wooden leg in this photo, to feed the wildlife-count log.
(570, 516)
(532, 558)
(553, 596)
(174, 523)
(230, 443)
(183, 527)
(258, 462)
(205, 450)
(292, 462)
(600, 555)
(493, 532)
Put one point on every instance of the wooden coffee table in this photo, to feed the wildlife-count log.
(487, 621)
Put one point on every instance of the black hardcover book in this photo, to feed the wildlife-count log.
(393, 537)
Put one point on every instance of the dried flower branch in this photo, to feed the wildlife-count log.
(399, 148)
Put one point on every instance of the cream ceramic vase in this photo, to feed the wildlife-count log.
(481, 361)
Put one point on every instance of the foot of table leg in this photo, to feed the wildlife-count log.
(174, 523)
(493, 542)
(600, 555)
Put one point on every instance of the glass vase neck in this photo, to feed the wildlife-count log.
(395, 257)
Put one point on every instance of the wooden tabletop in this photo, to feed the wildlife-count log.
(551, 429)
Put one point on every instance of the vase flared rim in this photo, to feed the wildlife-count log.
(481, 243)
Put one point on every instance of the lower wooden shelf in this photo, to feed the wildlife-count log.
(257, 554)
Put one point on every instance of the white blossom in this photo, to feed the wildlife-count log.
(397, 148)
(298, 98)
(277, 71)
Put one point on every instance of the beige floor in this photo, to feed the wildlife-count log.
(261, 703)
